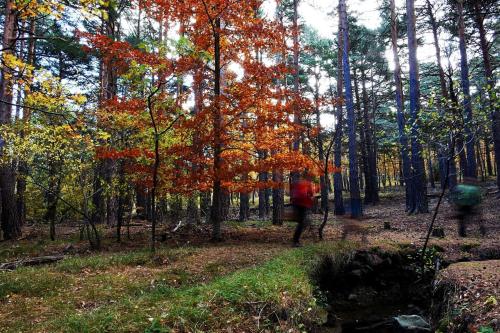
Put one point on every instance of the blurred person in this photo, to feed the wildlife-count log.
(466, 197)
(301, 197)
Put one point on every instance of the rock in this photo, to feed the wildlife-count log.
(494, 323)
(438, 232)
(387, 262)
(68, 248)
(355, 264)
(357, 273)
(387, 226)
(374, 260)
(412, 323)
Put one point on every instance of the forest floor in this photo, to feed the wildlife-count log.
(253, 281)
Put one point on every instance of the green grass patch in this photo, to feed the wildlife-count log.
(467, 247)
(31, 281)
(121, 303)
(133, 258)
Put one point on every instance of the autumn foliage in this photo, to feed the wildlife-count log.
(176, 80)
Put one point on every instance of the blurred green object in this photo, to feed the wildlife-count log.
(466, 195)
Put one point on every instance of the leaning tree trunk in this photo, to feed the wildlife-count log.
(471, 170)
(356, 206)
(419, 204)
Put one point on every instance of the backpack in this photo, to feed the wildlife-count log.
(466, 195)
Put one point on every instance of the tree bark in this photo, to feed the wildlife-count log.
(371, 179)
(294, 176)
(244, 207)
(9, 217)
(403, 139)
(471, 170)
(337, 177)
(488, 156)
(356, 206)
(491, 80)
(216, 211)
(263, 177)
(419, 204)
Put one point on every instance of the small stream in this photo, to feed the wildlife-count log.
(366, 292)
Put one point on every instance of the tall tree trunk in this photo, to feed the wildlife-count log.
(52, 196)
(278, 198)
(471, 170)
(278, 193)
(110, 88)
(373, 148)
(371, 196)
(491, 80)
(337, 155)
(156, 167)
(356, 206)
(444, 164)
(244, 206)
(419, 204)
(205, 205)
(9, 217)
(121, 200)
(403, 139)
(103, 203)
(459, 139)
(263, 178)
(192, 213)
(294, 176)
(364, 183)
(23, 167)
(319, 141)
(488, 156)
(480, 160)
(216, 211)
(430, 168)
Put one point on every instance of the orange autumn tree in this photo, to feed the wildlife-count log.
(224, 49)
(138, 122)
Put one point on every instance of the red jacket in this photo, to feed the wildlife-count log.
(301, 193)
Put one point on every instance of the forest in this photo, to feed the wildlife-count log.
(249, 166)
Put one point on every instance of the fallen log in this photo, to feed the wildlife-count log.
(9, 266)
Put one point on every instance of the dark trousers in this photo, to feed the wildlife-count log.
(300, 216)
(465, 215)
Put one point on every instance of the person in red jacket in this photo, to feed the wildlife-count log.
(301, 197)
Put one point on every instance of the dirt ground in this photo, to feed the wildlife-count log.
(472, 261)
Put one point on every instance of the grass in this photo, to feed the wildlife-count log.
(24, 248)
(134, 258)
(128, 293)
